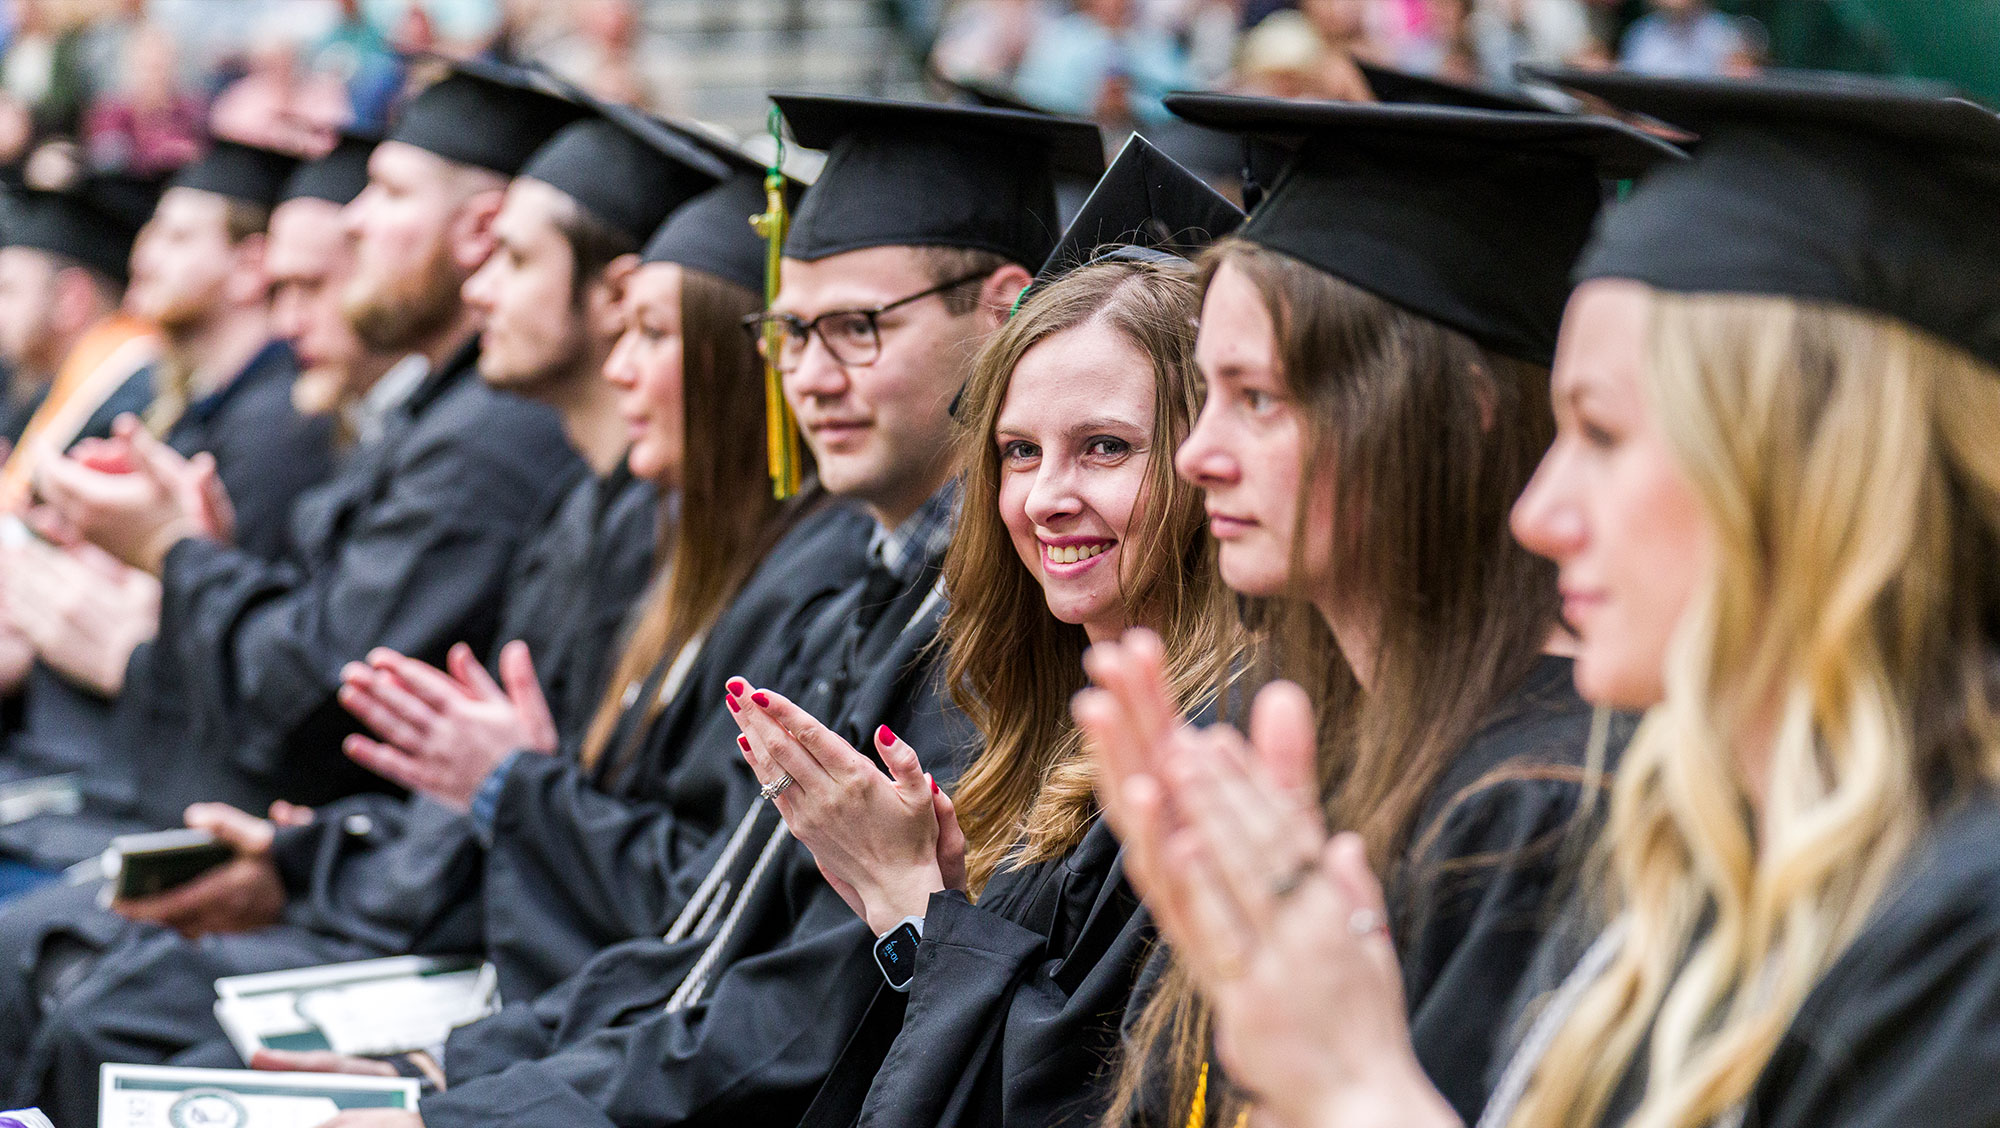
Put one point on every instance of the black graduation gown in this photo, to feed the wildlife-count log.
(579, 861)
(266, 456)
(780, 944)
(1498, 844)
(408, 547)
(1012, 1016)
(15, 412)
(572, 586)
(1902, 1030)
(372, 876)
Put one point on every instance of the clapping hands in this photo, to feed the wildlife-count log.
(884, 842)
(1284, 930)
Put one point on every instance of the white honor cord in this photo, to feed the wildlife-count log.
(1521, 1067)
(697, 978)
(692, 912)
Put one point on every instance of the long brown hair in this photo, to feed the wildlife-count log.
(1012, 666)
(728, 518)
(1429, 439)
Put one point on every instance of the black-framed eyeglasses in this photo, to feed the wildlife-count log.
(853, 337)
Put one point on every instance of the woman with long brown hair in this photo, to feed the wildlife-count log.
(1774, 499)
(1374, 344)
(1004, 914)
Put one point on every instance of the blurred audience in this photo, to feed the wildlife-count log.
(608, 55)
(148, 123)
(1689, 39)
(1100, 61)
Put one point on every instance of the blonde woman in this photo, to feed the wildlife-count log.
(1775, 501)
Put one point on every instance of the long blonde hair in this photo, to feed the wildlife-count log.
(1011, 664)
(1848, 466)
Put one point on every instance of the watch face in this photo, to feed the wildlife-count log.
(896, 954)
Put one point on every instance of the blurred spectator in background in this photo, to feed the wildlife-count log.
(606, 54)
(983, 41)
(1099, 62)
(1689, 39)
(356, 54)
(148, 124)
(1308, 53)
(1207, 30)
(44, 82)
(280, 104)
(1509, 33)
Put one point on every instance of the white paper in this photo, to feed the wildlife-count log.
(151, 1096)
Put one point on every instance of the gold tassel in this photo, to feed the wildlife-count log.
(781, 434)
(1198, 1108)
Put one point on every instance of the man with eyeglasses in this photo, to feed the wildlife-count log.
(910, 249)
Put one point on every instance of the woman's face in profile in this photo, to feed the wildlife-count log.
(1611, 505)
(1248, 451)
(1075, 439)
(645, 367)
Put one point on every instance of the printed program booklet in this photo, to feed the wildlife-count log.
(159, 1096)
(368, 1008)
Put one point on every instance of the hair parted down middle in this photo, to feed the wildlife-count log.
(1425, 439)
(1011, 665)
(728, 518)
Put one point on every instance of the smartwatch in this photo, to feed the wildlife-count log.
(896, 953)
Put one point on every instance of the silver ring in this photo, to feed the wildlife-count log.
(773, 788)
(1362, 922)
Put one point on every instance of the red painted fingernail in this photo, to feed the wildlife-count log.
(883, 735)
(761, 698)
(736, 686)
(935, 789)
(743, 742)
(731, 702)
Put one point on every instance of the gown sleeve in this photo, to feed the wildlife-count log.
(261, 643)
(1009, 1023)
(1905, 1028)
(1473, 923)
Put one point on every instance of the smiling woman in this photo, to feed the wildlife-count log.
(1072, 527)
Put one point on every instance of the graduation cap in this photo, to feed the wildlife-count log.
(1864, 193)
(713, 232)
(920, 174)
(93, 221)
(249, 173)
(486, 114)
(625, 169)
(337, 177)
(1403, 87)
(1146, 203)
(1472, 218)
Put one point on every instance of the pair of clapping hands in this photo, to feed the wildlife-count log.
(1283, 928)
(77, 585)
(885, 843)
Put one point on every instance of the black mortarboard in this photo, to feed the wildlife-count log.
(1862, 193)
(337, 177)
(1403, 87)
(712, 232)
(250, 173)
(1147, 201)
(93, 221)
(625, 169)
(490, 115)
(918, 174)
(1472, 218)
